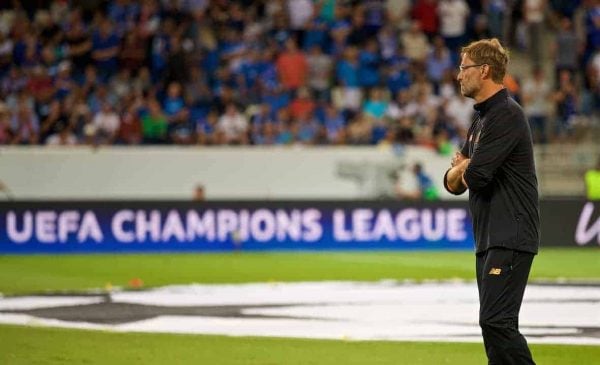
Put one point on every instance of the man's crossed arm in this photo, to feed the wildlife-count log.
(454, 181)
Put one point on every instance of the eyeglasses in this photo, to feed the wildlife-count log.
(464, 67)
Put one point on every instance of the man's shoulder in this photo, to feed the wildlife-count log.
(508, 111)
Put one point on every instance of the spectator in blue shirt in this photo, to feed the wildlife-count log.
(348, 68)
(369, 62)
(268, 79)
(160, 50)
(105, 49)
(123, 13)
(375, 13)
(376, 105)
(398, 74)
(277, 99)
(280, 31)
(173, 103)
(63, 82)
(335, 125)
(27, 51)
(438, 62)
(316, 34)
(206, 129)
(425, 190)
(249, 72)
(307, 129)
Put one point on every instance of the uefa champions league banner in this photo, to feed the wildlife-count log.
(570, 223)
(79, 227)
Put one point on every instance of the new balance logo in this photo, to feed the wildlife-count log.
(495, 271)
(586, 230)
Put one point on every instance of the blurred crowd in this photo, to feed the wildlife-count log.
(280, 72)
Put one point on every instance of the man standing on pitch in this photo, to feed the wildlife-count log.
(496, 165)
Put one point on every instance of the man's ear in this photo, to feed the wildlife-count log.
(484, 74)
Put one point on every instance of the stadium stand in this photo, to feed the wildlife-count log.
(283, 72)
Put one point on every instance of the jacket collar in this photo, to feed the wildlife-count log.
(488, 103)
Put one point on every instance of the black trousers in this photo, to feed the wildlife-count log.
(501, 279)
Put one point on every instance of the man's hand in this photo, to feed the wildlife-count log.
(455, 181)
(457, 159)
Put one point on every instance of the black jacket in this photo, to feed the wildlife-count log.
(503, 193)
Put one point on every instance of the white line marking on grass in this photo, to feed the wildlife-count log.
(337, 310)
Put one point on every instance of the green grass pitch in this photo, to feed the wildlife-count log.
(27, 274)
(39, 345)
(26, 345)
